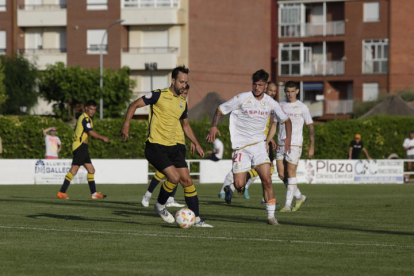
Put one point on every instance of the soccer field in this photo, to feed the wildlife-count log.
(340, 230)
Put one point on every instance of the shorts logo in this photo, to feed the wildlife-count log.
(148, 95)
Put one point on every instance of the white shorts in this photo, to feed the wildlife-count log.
(249, 157)
(292, 157)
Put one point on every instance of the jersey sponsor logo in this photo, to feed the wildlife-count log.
(256, 112)
(148, 95)
(249, 102)
(167, 98)
(181, 105)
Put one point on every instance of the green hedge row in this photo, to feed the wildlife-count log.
(22, 137)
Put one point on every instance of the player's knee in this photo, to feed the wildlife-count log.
(186, 182)
(174, 178)
(267, 182)
(74, 171)
(239, 184)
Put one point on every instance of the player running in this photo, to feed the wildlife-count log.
(249, 115)
(287, 163)
(168, 108)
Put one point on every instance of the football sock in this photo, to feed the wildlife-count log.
(191, 199)
(148, 194)
(297, 193)
(250, 182)
(251, 174)
(66, 182)
(272, 170)
(232, 188)
(165, 191)
(174, 191)
(227, 181)
(155, 180)
(91, 183)
(291, 189)
(271, 208)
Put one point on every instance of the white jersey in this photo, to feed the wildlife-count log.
(298, 114)
(248, 118)
(52, 144)
(407, 144)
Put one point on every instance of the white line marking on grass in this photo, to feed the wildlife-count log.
(204, 237)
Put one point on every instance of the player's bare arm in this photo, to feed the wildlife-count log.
(130, 113)
(214, 130)
(311, 130)
(288, 139)
(45, 131)
(98, 136)
(270, 135)
(188, 131)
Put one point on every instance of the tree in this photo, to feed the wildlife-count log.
(71, 86)
(3, 96)
(20, 83)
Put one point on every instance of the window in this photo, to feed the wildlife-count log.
(97, 5)
(2, 5)
(33, 41)
(375, 56)
(158, 82)
(370, 91)
(372, 12)
(290, 20)
(289, 56)
(94, 41)
(3, 42)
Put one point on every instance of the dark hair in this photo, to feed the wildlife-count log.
(91, 103)
(291, 84)
(260, 75)
(181, 69)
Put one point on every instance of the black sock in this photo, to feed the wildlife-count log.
(91, 183)
(165, 191)
(191, 199)
(66, 182)
(154, 181)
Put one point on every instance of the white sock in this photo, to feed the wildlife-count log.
(170, 199)
(95, 193)
(232, 188)
(148, 194)
(270, 208)
(297, 193)
(159, 206)
(291, 189)
(227, 181)
(250, 182)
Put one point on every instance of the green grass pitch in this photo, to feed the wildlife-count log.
(340, 230)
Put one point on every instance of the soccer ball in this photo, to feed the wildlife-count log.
(185, 218)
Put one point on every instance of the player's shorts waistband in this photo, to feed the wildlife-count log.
(290, 145)
(246, 146)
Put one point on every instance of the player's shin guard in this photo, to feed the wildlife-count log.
(291, 189)
(165, 191)
(271, 208)
(191, 199)
(155, 180)
(66, 182)
(91, 182)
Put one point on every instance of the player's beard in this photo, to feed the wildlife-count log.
(177, 90)
(257, 96)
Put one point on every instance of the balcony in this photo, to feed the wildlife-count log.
(339, 106)
(43, 57)
(41, 15)
(135, 58)
(152, 12)
(333, 28)
(315, 68)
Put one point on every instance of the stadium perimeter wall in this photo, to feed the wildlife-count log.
(126, 171)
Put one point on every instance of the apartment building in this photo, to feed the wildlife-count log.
(133, 33)
(340, 51)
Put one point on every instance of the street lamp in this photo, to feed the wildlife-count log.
(151, 67)
(101, 66)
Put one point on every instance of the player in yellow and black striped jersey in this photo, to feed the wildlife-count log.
(168, 108)
(159, 176)
(83, 128)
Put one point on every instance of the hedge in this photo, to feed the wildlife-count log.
(22, 137)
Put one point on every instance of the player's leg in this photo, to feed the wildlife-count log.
(181, 150)
(228, 180)
(250, 177)
(68, 178)
(291, 187)
(158, 176)
(407, 176)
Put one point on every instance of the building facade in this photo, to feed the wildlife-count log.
(74, 32)
(340, 51)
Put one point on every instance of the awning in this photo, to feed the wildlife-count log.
(307, 86)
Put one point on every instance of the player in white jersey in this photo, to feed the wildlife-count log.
(287, 163)
(249, 115)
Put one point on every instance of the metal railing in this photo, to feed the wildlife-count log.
(312, 29)
(149, 50)
(323, 68)
(375, 67)
(150, 4)
(97, 48)
(42, 51)
(41, 7)
(339, 106)
(315, 108)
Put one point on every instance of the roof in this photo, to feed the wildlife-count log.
(393, 105)
(206, 107)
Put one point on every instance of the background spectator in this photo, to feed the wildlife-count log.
(52, 143)
(355, 148)
(218, 149)
(408, 146)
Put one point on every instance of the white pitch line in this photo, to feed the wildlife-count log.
(204, 237)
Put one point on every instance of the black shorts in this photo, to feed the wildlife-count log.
(271, 152)
(162, 157)
(81, 155)
(182, 149)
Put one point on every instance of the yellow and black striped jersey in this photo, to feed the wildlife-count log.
(165, 113)
(80, 134)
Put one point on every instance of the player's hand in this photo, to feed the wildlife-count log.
(192, 148)
(273, 144)
(200, 151)
(211, 137)
(311, 153)
(287, 145)
(105, 139)
(54, 128)
(124, 132)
